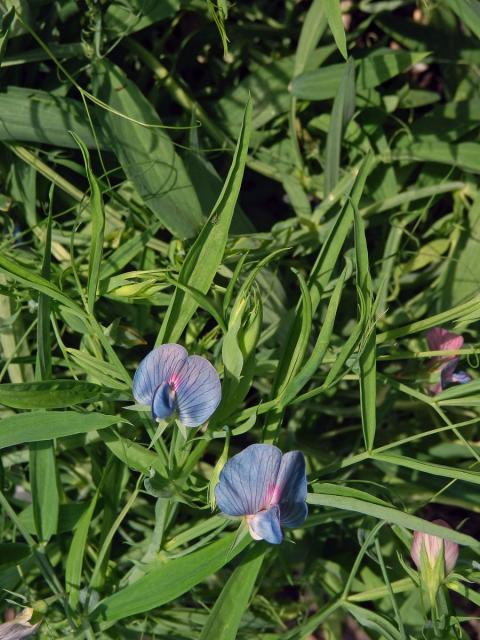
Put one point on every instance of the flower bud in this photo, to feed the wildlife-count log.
(434, 546)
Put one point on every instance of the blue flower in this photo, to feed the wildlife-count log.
(267, 488)
(172, 382)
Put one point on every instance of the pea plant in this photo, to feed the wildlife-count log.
(239, 320)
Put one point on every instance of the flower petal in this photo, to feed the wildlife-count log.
(198, 391)
(291, 489)
(439, 339)
(157, 367)
(248, 480)
(265, 525)
(163, 403)
(449, 376)
(460, 377)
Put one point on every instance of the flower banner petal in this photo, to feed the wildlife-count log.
(198, 390)
(247, 481)
(157, 367)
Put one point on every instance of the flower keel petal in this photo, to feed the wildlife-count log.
(156, 368)
(265, 525)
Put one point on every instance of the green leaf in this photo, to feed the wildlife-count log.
(45, 490)
(464, 155)
(342, 112)
(376, 68)
(97, 227)
(37, 426)
(392, 515)
(290, 360)
(48, 394)
(225, 617)
(43, 467)
(132, 454)
(122, 19)
(462, 274)
(206, 253)
(470, 308)
(468, 11)
(374, 621)
(68, 518)
(433, 469)
(319, 350)
(7, 20)
(30, 115)
(25, 276)
(74, 562)
(367, 359)
(168, 580)
(334, 17)
(147, 154)
(313, 28)
(126, 252)
(322, 270)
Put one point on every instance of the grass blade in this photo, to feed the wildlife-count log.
(367, 359)
(206, 253)
(169, 580)
(392, 515)
(342, 112)
(225, 617)
(43, 467)
(334, 17)
(38, 426)
(97, 227)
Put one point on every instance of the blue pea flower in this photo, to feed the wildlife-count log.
(267, 488)
(172, 382)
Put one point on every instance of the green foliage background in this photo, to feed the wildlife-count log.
(291, 190)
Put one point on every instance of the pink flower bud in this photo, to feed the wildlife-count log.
(433, 546)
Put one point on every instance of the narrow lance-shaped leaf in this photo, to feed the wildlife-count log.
(146, 153)
(392, 515)
(468, 11)
(312, 30)
(43, 467)
(225, 617)
(97, 226)
(342, 112)
(206, 253)
(167, 581)
(5, 25)
(367, 360)
(320, 348)
(334, 17)
(49, 394)
(30, 278)
(376, 68)
(37, 426)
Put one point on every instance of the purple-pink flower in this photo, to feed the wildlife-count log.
(440, 339)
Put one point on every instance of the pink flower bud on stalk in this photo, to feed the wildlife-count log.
(433, 547)
(435, 558)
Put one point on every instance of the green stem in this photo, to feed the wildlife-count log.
(390, 590)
